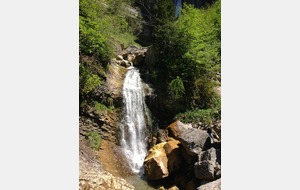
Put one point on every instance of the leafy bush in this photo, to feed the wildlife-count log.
(88, 81)
(100, 108)
(91, 41)
(104, 25)
(94, 140)
(176, 88)
(205, 116)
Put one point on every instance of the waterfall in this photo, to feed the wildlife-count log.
(133, 127)
(178, 6)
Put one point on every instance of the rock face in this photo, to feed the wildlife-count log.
(162, 159)
(105, 122)
(193, 140)
(131, 56)
(114, 80)
(92, 176)
(214, 185)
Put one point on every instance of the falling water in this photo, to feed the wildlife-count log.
(133, 127)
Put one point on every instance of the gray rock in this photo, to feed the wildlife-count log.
(217, 171)
(130, 57)
(214, 185)
(193, 140)
(209, 155)
(162, 136)
(204, 170)
(125, 63)
(208, 159)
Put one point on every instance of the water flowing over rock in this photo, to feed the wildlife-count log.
(134, 124)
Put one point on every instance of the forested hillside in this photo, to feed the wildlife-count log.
(150, 94)
(189, 64)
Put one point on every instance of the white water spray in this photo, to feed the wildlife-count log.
(133, 126)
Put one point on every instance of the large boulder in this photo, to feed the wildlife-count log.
(162, 159)
(156, 162)
(215, 185)
(193, 140)
(204, 170)
(209, 166)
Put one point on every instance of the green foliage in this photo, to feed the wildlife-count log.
(190, 50)
(94, 140)
(103, 25)
(87, 81)
(205, 116)
(101, 108)
(176, 88)
(157, 11)
(91, 42)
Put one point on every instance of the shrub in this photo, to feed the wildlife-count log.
(176, 88)
(100, 108)
(205, 116)
(94, 140)
(88, 81)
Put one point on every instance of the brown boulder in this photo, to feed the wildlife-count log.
(162, 159)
